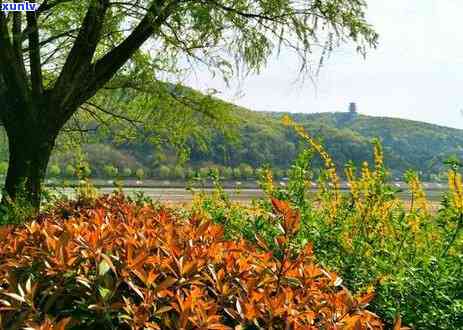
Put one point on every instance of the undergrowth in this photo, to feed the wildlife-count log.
(284, 261)
(409, 255)
(109, 263)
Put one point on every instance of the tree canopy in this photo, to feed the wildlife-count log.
(56, 62)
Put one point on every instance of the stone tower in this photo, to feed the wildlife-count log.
(353, 108)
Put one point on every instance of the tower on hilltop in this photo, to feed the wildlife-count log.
(353, 108)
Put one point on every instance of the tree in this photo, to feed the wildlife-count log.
(247, 171)
(70, 170)
(127, 172)
(83, 170)
(110, 171)
(227, 173)
(237, 173)
(179, 172)
(204, 172)
(54, 170)
(190, 173)
(56, 62)
(140, 173)
(164, 172)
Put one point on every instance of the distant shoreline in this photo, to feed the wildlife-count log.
(172, 184)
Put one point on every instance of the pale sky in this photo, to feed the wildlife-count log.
(416, 72)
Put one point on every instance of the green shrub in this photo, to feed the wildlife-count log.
(140, 173)
(227, 173)
(247, 172)
(164, 172)
(70, 170)
(237, 173)
(190, 173)
(110, 171)
(203, 172)
(179, 172)
(54, 171)
(114, 264)
(127, 172)
(406, 253)
(15, 212)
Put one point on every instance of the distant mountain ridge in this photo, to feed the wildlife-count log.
(262, 139)
(408, 144)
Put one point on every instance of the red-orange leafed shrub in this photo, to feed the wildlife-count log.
(120, 266)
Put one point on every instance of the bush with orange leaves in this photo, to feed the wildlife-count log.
(118, 265)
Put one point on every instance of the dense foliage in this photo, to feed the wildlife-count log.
(110, 262)
(258, 140)
(407, 252)
(60, 62)
(114, 264)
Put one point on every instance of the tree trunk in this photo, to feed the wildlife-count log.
(30, 147)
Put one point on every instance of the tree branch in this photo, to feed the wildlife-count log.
(17, 42)
(98, 119)
(76, 68)
(108, 65)
(34, 55)
(46, 5)
(14, 77)
(131, 121)
(55, 37)
(50, 56)
(244, 14)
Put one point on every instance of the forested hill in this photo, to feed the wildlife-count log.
(407, 144)
(347, 136)
(261, 139)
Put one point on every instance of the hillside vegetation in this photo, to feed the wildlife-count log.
(259, 139)
(408, 144)
(262, 140)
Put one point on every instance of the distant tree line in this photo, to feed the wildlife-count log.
(262, 141)
(164, 172)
